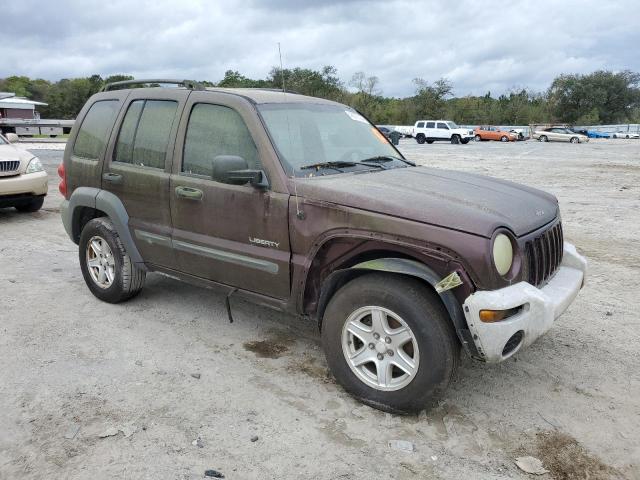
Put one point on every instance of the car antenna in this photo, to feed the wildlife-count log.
(299, 213)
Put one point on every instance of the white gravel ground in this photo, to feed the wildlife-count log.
(72, 368)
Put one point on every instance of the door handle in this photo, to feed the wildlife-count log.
(112, 178)
(189, 193)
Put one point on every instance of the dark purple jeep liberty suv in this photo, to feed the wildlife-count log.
(302, 205)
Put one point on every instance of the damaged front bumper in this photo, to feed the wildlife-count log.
(539, 307)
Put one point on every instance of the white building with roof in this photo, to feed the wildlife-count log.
(17, 107)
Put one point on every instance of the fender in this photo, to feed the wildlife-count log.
(411, 268)
(81, 197)
(111, 205)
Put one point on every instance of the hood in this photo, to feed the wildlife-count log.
(470, 203)
(10, 152)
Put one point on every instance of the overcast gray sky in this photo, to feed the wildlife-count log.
(479, 46)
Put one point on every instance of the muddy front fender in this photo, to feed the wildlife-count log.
(412, 268)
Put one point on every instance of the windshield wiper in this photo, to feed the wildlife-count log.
(385, 159)
(336, 165)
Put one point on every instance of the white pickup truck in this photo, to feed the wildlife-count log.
(438, 130)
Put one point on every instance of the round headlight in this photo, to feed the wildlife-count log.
(34, 166)
(502, 253)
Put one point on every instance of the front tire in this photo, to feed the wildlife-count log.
(574, 140)
(389, 342)
(455, 139)
(33, 206)
(106, 267)
(420, 139)
(477, 138)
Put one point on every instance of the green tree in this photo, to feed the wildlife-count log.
(317, 83)
(17, 85)
(430, 99)
(233, 79)
(612, 95)
(582, 99)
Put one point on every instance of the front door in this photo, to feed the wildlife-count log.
(442, 131)
(137, 168)
(237, 235)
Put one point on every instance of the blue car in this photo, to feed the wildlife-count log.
(596, 134)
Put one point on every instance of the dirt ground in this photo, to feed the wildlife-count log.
(165, 387)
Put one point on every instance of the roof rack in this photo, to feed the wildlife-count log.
(190, 84)
(266, 89)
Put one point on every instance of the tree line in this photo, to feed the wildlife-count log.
(600, 97)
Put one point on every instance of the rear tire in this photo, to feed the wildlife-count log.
(430, 348)
(106, 267)
(455, 139)
(543, 138)
(420, 139)
(33, 206)
(504, 139)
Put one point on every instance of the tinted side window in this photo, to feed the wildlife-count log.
(443, 126)
(124, 146)
(145, 131)
(216, 130)
(431, 124)
(94, 131)
(420, 125)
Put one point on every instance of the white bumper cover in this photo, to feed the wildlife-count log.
(541, 306)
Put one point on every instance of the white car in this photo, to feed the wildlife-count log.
(430, 131)
(559, 134)
(23, 181)
(625, 135)
(406, 130)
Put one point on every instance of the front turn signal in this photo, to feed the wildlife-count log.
(492, 316)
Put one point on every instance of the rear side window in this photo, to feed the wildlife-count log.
(431, 124)
(443, 126)
(216, 130)
(144, 134)
(94, 131)
(420, 125)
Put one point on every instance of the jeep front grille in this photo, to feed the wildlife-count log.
(544, 255)
(9, 166)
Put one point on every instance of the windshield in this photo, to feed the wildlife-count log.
(452, 125)
(309, 134)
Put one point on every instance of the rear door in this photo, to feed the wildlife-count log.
(237, 235)
(430, 129)
(84, 160)
(138, 166)
(557, 135)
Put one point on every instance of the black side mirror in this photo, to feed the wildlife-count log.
(234, 170)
